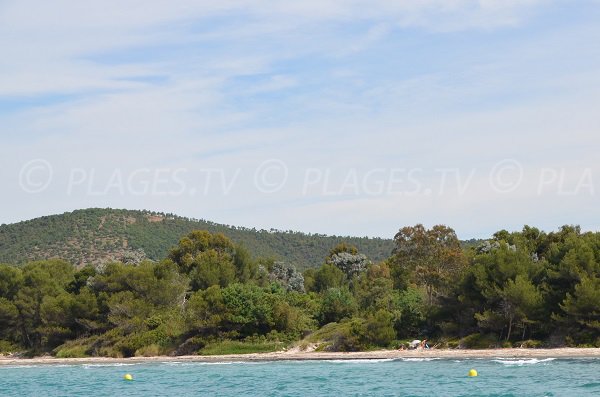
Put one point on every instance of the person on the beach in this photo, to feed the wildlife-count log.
(414, 344)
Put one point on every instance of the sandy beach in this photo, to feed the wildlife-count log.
(298, 355)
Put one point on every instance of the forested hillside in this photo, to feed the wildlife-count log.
(209, 296)
(96, 236)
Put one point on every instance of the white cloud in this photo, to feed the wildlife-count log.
(227, 85)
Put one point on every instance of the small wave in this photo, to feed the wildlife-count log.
(259, 362)
(523, 361)
(420, 359)
(19, 366)
(108, 365)
(190, 363)
(359, 360)
(591, 385)
(44, 365)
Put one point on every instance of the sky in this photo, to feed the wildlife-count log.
(335, 117)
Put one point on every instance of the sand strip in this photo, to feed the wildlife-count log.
(296, 356)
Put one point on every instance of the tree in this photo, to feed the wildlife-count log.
(328, 276)
(9, 315)
(209, 259)
(350, 264)
(205, 310)
(373, 289)
(245, 267)
(248, 309)
(431, 258)
(378, 328)
(410, 305)
(159, 284)
(11, 279)
(583, 305)
(502, 287)
(42, 282)
(521, 301)
(287, 276)
(342, 247)
(337, 303)
(211, 268)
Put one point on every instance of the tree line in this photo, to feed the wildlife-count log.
(527, 288)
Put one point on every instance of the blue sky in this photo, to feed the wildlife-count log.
(338, 117)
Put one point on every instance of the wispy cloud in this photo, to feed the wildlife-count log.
(336, 85)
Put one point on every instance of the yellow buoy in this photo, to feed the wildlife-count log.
(128, 377)
(472, 373)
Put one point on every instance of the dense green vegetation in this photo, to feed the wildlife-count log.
(211, 296)
(98, 236)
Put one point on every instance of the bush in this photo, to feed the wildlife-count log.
(453, 344)
(130, 344)
(8, 347)
(149, 351)
(190, 346)
(479, 341)
(531, 344)
(326, 332)
(445, 343)
(240, 347)
(337, 304)
(73, 352)
(343, 336)
(109, 351)
(379, 330)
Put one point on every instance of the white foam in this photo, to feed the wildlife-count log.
(522, 361)
(45, 365)
(420, 359)
(359, 360)
(108, 365)
(188, 363)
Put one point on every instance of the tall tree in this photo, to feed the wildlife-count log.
(430, 258)
(209, 259)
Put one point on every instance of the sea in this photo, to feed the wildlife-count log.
(393, 377)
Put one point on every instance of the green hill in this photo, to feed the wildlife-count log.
(98, 236)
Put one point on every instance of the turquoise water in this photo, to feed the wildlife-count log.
(403, 377)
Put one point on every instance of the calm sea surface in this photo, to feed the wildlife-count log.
(402, 377)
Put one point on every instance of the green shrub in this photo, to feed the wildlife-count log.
(190, 346)
(378, 329)
(73, 352)
(240, 347)
(479, 341)
(149, 351)
(531, 344)
(8, 347)
(328, 331)
(109, 351)
(128, 345)
(445, 343)
(342, 336)
(452, 344)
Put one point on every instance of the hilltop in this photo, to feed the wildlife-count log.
(96, 236)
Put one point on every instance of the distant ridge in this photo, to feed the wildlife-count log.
(96, 236)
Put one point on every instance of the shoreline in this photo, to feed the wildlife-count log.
(320, 356)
